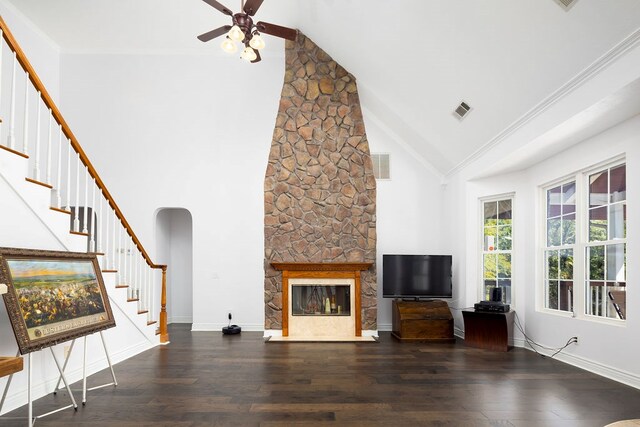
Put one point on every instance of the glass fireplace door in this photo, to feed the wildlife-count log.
(320, 300)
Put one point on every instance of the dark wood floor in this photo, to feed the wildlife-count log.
(209, 379)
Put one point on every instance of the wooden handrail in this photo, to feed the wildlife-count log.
(57, 115)
(48, 101)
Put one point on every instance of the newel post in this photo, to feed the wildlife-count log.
(164, 333)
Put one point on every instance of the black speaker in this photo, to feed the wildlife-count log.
(496, 294)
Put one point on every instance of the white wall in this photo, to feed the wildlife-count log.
(41, 51)
(409, 207)
(608, 348)
(190, 131)
(195, 132)
(174, 242)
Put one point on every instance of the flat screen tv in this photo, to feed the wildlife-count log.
(416, 276)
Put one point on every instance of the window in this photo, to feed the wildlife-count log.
(606, 249)
(585, 239)
(497, 238)
(560, 246)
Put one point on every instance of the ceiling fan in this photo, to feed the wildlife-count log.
(245, 31)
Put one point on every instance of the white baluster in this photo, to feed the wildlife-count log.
(107, 255)
(99, 225)
(76, 216)
(149, 293)
(134, 273)
(36, 170)
(12, 110)
(25, 130)
(48, 175)
(146, 290)
(92, 239)
(114, 260)
(68, 176)
(130, 267)
(121, 268)
(86, 201)
(58, 189)
(140, 289)
(1, 45)
(125, 265)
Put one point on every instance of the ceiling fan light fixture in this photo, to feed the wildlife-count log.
(248, 54)
(236, 34)
(257, 42)
(228, 45)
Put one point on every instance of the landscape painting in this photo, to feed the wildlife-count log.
(53, 296)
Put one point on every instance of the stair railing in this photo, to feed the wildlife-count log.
(60, 164)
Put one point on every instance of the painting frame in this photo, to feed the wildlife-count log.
(53, 296)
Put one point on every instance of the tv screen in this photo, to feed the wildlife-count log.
(416, 276)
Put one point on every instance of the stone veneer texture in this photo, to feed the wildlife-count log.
(319, 189)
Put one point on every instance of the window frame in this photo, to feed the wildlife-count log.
(580, 271)
(546, 247)
(489, 199)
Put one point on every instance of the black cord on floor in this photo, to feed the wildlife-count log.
(534, 344)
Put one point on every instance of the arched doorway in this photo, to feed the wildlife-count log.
(174, 239)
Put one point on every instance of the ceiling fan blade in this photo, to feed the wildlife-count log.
(258, 58)
(214, 33)
(221, 8)
(252, 6)
(277, 30)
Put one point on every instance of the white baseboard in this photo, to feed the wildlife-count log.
(458, 332)
(180, 319)
(592, 366)
(385, 327)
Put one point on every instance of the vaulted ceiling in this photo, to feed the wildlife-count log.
(415, 60)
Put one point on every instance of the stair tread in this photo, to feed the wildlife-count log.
(151, 322)
(53, 208)
(109, 271)
(35, 181)
(133, 299)
(121, 286)
(79, 233)
(10, 150)
(143, 311)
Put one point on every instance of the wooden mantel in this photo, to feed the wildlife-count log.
(337, 270)
(321, 266)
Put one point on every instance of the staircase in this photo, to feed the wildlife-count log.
(51, 196)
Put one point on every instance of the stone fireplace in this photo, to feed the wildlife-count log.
(319, 189)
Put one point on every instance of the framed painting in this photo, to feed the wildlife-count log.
(53, 296)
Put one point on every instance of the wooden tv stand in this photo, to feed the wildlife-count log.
(422, 321)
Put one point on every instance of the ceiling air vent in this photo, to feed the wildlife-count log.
(380, 165)
(566, 4)
(462, 110)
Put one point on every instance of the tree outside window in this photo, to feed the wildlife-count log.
(497, 238)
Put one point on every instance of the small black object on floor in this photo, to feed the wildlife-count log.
(231, 330)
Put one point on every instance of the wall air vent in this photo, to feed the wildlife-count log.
(380, 165)
(566, 4)
(462, 110)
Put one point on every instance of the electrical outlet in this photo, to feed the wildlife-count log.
(67, 349)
